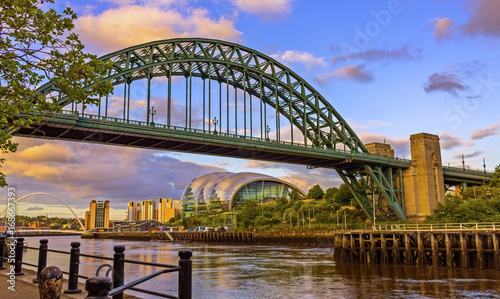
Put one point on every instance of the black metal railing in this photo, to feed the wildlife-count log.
(184, 270)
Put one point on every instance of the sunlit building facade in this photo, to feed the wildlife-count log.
(148, 210)
(98, 216)
(225, 191)
(134, 211)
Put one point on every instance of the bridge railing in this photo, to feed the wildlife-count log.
(201, 131)
(472, 226)
(466, 170)
(117, 268)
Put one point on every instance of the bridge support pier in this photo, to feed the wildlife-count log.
(423, 181)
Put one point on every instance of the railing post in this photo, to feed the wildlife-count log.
(51, 281)
(118, 275)
(19, 257)
(98, 287)
(185, 274)
(42, 258)
(2, 251)
(74, 264)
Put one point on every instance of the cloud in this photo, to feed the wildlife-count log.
(306, 58)
(472, 155)
(351, 72)
(448, 141)
(483, 18)
(34, 209)
(268, 9)
(400, 54)
(485, 132)
(446, 82)
(442, 28)
(130, 25)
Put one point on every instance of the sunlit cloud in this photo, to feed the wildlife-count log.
(268, 9)
(442, 28)
(485, 132)
(130, 25)
(483, 18)
(305, 58)
(357, 73)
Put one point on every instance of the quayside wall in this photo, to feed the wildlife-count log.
(474, 250)
(315, 239)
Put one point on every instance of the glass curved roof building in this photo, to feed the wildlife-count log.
(225, 191)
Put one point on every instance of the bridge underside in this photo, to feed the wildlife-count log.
(72, 128)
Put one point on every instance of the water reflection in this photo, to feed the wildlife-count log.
(229, 271)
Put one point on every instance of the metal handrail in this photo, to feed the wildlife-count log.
(193, 130)
(129, 285)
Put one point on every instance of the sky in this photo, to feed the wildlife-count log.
(391, 68)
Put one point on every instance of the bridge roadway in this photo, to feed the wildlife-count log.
(70, 126)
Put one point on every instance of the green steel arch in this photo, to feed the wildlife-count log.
(375, 187)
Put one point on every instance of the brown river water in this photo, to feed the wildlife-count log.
(232, 271)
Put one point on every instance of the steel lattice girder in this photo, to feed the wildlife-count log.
(366, 182)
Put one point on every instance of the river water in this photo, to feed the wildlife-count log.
(233, 271)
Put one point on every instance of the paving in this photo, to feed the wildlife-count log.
(26, 289)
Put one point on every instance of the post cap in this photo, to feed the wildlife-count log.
(185, 254)
(44, 241)
(98, 286)
(119, 249)
(75, 244)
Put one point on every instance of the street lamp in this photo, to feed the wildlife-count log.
(152, 111)
(267, 132)
(215, 122)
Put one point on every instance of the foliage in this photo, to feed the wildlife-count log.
(343, 196)
(330, 194)
(315, 192)
(37, 46)
(495, 179)
(470, 208)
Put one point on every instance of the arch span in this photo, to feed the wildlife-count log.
(53, 196)
(284, 97)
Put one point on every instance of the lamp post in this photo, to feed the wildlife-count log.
(463, 162)
(267, 132)
(215, 122)
(152, 111)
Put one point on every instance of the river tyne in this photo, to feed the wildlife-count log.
(246, 271)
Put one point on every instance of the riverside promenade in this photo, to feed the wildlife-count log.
(26, 289)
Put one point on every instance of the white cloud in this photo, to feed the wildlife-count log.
(131, 25)
(306, 58)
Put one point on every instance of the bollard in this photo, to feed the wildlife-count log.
(2, 251)
(98, 287)
(118, 275)
(51, 281)
(42, 258)
(19, 257)
(74, 263)
(185, 274)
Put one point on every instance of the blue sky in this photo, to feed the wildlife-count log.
(390, 68)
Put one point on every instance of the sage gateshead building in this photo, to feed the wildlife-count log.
(225, 191)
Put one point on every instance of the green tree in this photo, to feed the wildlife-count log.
(330, 194)
(37, 46)
(343, 195)
(495, 178)
(315, 192)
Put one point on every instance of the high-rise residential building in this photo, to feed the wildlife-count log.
(134, 210)
(98, 216)
(167, 208)
(148, 210)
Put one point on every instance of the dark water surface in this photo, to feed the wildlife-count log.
(232, 271)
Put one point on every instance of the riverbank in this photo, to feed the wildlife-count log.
(306, 238)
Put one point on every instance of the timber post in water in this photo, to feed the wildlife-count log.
(474, 250)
